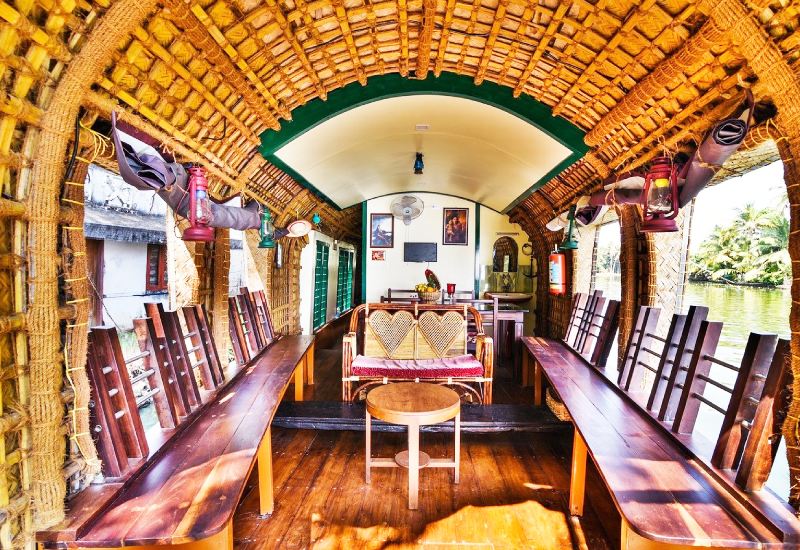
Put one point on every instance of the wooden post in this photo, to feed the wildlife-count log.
(265, 490)
(310, 365)
(298, 381)
(577, 484)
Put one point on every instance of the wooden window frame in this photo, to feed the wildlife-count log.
(162, 284)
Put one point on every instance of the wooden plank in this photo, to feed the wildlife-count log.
(191, 490)
(238, 339)
(178, 398)
(254, 321)
(217, 365)
(665, 365)
(758, 355)
(657, 501)
(763, 440)
(210, 376)
(176, 346)
(694, 382)
(165, 409)
(683, 355)
(643, 327)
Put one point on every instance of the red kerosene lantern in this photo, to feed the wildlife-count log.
(660, 196)
(199, 207)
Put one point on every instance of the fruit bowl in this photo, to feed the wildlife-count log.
(427, 297)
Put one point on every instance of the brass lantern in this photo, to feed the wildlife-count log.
(660, 196)
(199, 207)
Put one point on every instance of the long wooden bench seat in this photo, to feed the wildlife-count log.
(188, 490)
(666, 495)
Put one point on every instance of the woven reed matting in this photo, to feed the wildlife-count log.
(637, 273)
(183, 276)
(219, 302)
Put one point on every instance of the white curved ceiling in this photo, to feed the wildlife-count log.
(471, 149)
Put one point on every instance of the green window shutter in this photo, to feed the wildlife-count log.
(320, 285)
(344, 283)
(349, 281)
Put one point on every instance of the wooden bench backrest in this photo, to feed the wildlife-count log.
(414, 331)
(592, 325)
(121, 439)
(749, 434)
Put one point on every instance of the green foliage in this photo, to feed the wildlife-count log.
(753, 249)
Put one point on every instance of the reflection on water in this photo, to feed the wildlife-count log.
(742, 310)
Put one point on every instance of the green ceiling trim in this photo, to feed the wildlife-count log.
(525, 107)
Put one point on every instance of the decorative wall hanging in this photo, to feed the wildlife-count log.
(381, 231)
(455, 228)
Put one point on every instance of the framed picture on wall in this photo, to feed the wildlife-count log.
(455, 228)
(381, 231)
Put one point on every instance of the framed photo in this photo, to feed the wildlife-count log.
(378, 255)
(381, 231)
(455, 228)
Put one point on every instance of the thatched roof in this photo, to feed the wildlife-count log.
(633, 75)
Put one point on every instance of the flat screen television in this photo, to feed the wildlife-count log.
(419, 252)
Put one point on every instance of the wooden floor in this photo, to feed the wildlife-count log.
(513, 494)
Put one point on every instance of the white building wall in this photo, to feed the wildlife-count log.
(124, 278)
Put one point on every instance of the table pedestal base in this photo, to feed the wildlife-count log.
(402, 459)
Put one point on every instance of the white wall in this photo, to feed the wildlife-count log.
(308, 258)
(124, 278)
(106, 188)
(455, 263)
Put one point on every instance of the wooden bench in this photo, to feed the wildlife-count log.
(188, 490)
(422, 342)
(673, 488)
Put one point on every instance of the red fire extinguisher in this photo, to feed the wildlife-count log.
(558, 277)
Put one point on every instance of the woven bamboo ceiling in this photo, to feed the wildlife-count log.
(215, 75)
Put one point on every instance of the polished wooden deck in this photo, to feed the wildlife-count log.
(513, 494)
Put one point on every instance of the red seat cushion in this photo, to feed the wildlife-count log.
(460, 366)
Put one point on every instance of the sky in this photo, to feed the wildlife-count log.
(718, 205)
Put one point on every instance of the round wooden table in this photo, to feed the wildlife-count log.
(413, 404)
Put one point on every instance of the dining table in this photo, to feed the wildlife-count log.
(507, 313)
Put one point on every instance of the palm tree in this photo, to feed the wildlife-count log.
(751, 249)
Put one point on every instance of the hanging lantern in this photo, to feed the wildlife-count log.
(199, 207)
(316, 219)
(569, 241)
(660, 195)
(267, 230)
(419, 165)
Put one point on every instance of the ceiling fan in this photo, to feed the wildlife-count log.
(407, 208)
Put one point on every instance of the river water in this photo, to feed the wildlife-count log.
(742, 310)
